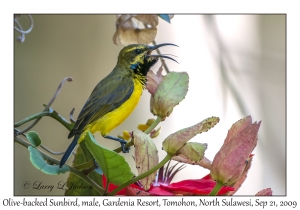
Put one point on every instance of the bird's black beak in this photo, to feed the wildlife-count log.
(160, 45)
(151, 48)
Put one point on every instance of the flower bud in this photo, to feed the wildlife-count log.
(193, 151)
(231, 160)
(154, 133)
(170, 91)
(153, 80)
(178, 139)
(125, 135)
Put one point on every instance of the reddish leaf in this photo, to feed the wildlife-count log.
(178, 139)
(264, 192)
(230, 162)
(153, 80)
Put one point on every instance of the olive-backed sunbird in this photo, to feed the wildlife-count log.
(115, 96)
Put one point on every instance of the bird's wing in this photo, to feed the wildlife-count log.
(109, 94)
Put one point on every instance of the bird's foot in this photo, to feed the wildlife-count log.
(122, 142)
(123, 145)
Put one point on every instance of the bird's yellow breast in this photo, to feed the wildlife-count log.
(114, 118)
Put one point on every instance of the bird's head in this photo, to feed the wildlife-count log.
(138, 57)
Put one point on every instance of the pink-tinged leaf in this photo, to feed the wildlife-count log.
(242, 178)
(178, 139)
(170, 92)
(204, 162)
(154, 133)
(264, 192)
(230, 162)
(153, 80)
(193, 150)
(146, 157)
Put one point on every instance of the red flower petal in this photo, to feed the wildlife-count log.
(207, 177)
(195, 187)
(135, 191)
(159, 191)
(111, 187)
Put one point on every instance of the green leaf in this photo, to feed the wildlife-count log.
(86, 157)
(38, 161)
(88, 160)
(84, 166)
(34, 138)
(165, 17)
(114, 166)
(82, 157)
(172, 90)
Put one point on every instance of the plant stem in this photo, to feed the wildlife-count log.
(22, 142)
(32, 117)
(50, 151)
(51, 113)
(216, 189)
(152, 170)
(47, 106)
(129, 144)
(153, 125)
(62, 120)
(52, 160)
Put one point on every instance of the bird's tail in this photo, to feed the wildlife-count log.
(69, 151)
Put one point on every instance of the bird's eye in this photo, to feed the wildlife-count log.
(138, 51)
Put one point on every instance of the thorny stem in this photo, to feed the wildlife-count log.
(69, 79)
(152, 170)
(54, 161)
